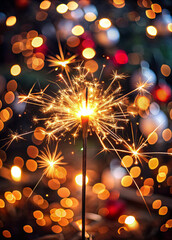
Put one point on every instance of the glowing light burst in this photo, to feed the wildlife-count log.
(63, 111)
(13, 136)
(143, 86)
(136, 148)
(50, 160)
(60, 61)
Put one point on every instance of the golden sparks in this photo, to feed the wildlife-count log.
(63, 111)
(50, 160)
(136, 148)
(59, 61)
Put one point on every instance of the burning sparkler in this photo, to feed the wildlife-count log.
(97, 111)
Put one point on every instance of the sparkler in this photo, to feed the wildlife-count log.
(71, 110)
(83, 102)
(84, 119)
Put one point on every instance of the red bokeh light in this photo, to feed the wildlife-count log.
(88, 43)
(22, 3)
(43, 49)
(121, 57)
(163, 93)
(115, 208)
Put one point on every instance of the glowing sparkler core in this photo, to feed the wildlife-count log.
(51, 163)
(135, 153)
(85, 110)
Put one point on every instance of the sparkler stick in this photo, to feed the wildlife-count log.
(84, 120)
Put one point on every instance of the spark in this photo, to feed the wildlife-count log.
(116, 76)
(50, 160)
(143, 86)
(13, 136)
(136, 149)
(60, 61)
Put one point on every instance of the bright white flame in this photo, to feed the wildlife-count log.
(85, 111)
(51, 163)
(62, 63)
(135, 152)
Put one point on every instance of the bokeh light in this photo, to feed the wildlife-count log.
(72, 5)
(104, 23)
(44, 5)
(151, 30)
(15, 70)
(126, 181)
(121, 57)
(88, 53)
(127, 161)
(153, 163)
(37, 42)
(62, 8)
(77, 30)
(16, 173)
(11, 21)
(129, 220)
(28, 229)
(78, 179)
(156, 8)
